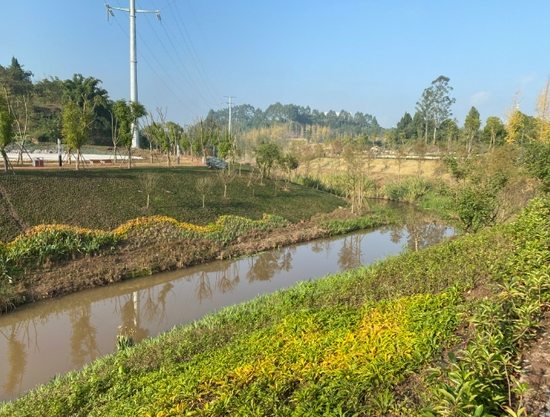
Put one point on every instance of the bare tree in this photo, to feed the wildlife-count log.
(204, 186)
(148, 183)
(225, 176)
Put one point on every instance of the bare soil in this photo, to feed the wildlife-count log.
(535, 372)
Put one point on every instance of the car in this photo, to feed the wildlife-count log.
(216, 163)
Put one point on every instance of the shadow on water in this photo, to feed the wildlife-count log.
(43, 339)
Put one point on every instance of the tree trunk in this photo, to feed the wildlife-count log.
(5, 158)
(129, 158)
(77, 159)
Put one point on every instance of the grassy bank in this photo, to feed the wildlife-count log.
(106, 198)
(54, 260)
(357, 343)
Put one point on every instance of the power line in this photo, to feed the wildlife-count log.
(133, 48)
(195, 52)
(155, 72)
(177, 66)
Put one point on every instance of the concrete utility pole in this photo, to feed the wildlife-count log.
(233, 142)
(133, 59)
(229, 97)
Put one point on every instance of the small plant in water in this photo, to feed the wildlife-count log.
(124, 338)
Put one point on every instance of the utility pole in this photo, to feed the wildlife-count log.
(133, 60)
(233, 142)
(229, 97)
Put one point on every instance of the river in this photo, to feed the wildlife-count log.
(40, 340)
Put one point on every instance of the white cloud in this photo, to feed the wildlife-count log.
(480, 98)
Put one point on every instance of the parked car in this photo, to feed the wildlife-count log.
(216, 163)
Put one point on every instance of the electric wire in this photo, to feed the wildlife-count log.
(181, 60)
(188, 79)
(192, 46)
(156, 73)
(175, 64)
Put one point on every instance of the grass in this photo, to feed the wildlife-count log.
(347, 344)
(106, 198)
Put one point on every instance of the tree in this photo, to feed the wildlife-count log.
(16, 87)
(542, 119)
(404, 128)
(204, 186)
(494, 131)
(148, 183)
(471, 127)
(126, 116)
(15, 79)
(225, 176)
(288, 163)
(435, 104)
(77, 123)
(476, 203)
(6, 131)
(79, 89)
(449, 130)
(266, 155)
(536, 159)
(420, 149)
(515, 123)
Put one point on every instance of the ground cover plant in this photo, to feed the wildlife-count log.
(106, 198)
(483, 377)
(349, 343)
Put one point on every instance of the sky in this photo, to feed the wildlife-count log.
(372, 56)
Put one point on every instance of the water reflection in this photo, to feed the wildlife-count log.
(264, 267)
(84, 348)
(54, 336)
(419, 229)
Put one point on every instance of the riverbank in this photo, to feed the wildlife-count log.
(156, 246)
(359, 342)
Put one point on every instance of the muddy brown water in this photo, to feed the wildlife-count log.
(55, 336)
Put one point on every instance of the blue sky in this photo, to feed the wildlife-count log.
(370, 56)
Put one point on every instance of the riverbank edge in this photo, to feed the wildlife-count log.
(431, 273)
(136, 257)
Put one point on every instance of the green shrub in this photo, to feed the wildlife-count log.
(410, 190)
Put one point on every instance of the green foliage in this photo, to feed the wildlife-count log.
(266, 156)
(476, 203)
(536, 159)
(106, 198)
(459, 169)
(299, 350)
(409, 189)
(6, 130)
(52, 243)
(482, 377)
(124, 338)
(339, 227)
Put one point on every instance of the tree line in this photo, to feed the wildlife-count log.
(433, 124)
(302, 122)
